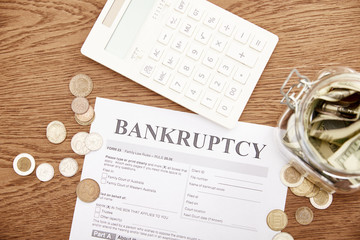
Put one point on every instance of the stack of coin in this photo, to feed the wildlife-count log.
(303, 187)
(81, 86)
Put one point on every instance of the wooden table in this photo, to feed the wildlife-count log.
(40, 51)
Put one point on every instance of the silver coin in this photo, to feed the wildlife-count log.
(45, 172)
(78, 143)
(56, 132)
(94, 141)
(68, 167)
(283, 236)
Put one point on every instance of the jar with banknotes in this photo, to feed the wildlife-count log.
(319, 132)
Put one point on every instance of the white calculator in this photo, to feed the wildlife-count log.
(192, 52)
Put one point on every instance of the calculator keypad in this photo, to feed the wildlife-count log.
(206, 57)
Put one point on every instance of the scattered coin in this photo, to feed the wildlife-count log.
(80, 105)
(81, 85)
(283, 236)
(78, 143)
(86, 117)
(45, 172)
(56, 132)
(322, 200)
(304, 215)
(68, 167)
(277, 220)
(303, 189)
(24, 164)
(94, 141)
(290, 176)
(88, 190)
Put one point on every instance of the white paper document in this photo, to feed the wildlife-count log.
(172, 175)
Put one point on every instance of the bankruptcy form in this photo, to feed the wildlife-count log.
(172, 175)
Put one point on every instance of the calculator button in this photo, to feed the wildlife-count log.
(181, 5)
(202, 75)
(218, 43)
(156, 53)
(218, 83)
(194, 51)
(227, 28)
(147, 69)
(226, 67)
(162, 76)
(173, 21)
(225, 108)
(178, 84)
(209, 99)
(242, 54)
(187, 28)
(258, 43)
(242, 35)
(165, 37)
(211, 20)
(171, 60)
(233, 91)
(186, 68)
(242, 75)
(203, 36)
(179, 43)
(196, 13)
(193, 92)
(210, 59)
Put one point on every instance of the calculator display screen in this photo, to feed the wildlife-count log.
(129, 25)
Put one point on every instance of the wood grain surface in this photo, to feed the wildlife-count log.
(40, 45)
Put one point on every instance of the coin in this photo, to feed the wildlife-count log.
(322, 200)
(78, 143)
(277, 220)
(45, 172)
(290, 176)
(283, 236)
(68, 167)
(86, 117)
(84, 123)
(81, 85)
(304, 215)
(56, 132)
(24, 164)
(303, 189)
(313, 192)
(94, 141)
(88, 190)
(80, 105)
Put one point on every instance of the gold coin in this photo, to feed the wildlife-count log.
(304, 215)
(290, 176)
(88, 190)
(24, 164)
(303, 189)
(81, 85)
(277, 220)
(322, 200)
(80, 105)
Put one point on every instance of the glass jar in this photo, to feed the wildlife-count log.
(314, 132)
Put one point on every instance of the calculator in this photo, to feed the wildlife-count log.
(191, 52)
